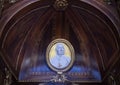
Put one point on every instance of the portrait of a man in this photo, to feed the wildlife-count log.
(60, 60)
(60, 55)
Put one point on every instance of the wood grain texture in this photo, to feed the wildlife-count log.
(27, 28)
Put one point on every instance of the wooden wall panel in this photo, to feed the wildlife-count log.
(27, 28)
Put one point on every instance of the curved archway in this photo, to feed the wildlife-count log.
(92, 31)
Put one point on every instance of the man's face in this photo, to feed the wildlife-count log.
(60, 49)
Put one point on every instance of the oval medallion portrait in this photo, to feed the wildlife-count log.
(60, 55)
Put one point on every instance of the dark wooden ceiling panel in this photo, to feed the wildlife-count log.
(27, 28)
(103, 35)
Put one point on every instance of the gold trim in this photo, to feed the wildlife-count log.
(71, 50)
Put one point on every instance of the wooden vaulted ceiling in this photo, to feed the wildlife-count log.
(28, 26)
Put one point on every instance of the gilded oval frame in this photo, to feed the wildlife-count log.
(71, 49)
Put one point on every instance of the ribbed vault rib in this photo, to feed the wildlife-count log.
(99, 58)
(40, 24)
(28, 27)
(21, 18)
(21, 6)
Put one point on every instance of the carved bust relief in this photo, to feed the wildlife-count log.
(60, 55)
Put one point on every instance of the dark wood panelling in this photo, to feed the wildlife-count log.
(27, 28)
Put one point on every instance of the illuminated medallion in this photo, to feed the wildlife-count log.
(60, 55)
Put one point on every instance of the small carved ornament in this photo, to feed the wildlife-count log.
(60, 4)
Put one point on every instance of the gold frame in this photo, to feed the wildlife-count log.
(69, 45)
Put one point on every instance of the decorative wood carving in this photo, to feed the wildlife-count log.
(1, 7)
(107, 1)
(8, 77)
(3, 3)
(27, 28)
(60, 4)
(1, 78)
(12, 1)
(118, 6)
